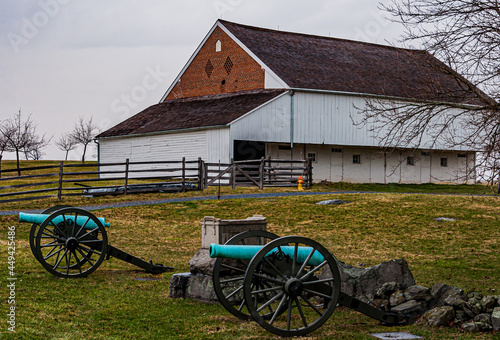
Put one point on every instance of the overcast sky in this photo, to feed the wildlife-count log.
(110, 59)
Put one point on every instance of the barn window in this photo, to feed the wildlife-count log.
(209, 68)
(336, 150)
(425, 153)
(312, 156)
(218, 46)
(410, 160)
(228, 65)
(444, 162)
(356, 159)
(462, 155)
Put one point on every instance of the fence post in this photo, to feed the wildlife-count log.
(126, 176)
(183, 174)
(309, 174)
(0, 166)
(59, 189)
(233, 174)
(261, 173)
(200, 174)
(206, 177)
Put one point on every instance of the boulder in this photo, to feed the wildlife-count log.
(488, 301)
(397, 298)
(484, 318)
(357, 281)
(476, 327)
(417, 292)
(495, 319)
(201, 263)
(439, 316)
(387, 289)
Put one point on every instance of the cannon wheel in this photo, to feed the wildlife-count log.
(228, 279)
(63, 248)
(300, 300)
(35, 226)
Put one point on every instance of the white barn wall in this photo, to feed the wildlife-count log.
(210, 144)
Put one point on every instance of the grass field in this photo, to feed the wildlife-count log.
(112, 304)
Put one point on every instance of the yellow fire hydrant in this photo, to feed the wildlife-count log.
(300, 181)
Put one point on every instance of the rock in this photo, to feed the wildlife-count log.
(495, 319)
(470, 314)
(438, 289)
(475, 305)
(191, 286)
(382, 304)
(387, 289)
(397, 298)
(332, 202)
(417, 292)
(474, 295)
(444, 219)
(453, 291)
(439, 316)
(201, 263)
(456, 302)
(411, 307)
(476, 327)
(488, 301)
(367, 281)
(460, 317)
(484, 318)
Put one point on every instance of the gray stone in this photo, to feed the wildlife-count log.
(470, 314)
(484, 318)
(438, 289)
(474, 295)
(397, 298)
(387, 289)
(332, 202)
(201, 263)
(488, 301)
(476, 327)
(456, 302)
(439, 316)
(444, 219)
(495, 319)
(453, 291)
(417, 292)
(191, 286)
(411, 307)
(367, 281)
(460, 317)
(475, 305)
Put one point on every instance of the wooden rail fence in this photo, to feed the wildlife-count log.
(140, 177)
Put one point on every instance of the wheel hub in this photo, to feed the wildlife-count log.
(72, 243)
(294, 287)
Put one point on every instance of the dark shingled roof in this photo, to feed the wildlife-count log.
(195, 112)
(322, 63)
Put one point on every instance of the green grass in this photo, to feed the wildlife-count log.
(111, 304)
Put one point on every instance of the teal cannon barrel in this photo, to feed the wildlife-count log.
(247, 252)
(80, 220)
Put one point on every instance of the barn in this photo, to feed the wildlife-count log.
(250, 92)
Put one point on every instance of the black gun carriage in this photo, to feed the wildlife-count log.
(71, 242)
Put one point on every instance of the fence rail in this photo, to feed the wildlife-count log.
(142, 177)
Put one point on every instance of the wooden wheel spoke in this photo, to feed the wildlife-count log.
(50, 254)
(236, 269)
(239, 278)
(60, 259)
(312, 306)
(85, 256)
(271, 300)
(302, 316)
(282, 303)
(318, 294)
(312, 271)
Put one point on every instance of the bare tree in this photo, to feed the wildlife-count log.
(66, 143)
(465, 35)
(83, 133)
(20, 136)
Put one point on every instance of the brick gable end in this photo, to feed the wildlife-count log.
(211, 72)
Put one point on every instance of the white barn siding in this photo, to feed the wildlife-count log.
(210, 144)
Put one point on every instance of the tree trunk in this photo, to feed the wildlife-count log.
(17, 158)
(66, 158)
(83, 156)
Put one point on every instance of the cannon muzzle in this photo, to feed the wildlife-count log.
(80, 220)
(247, 252)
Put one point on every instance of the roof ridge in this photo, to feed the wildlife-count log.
(257, 28)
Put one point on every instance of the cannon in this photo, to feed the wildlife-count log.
(290, 285)
(71, 242)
